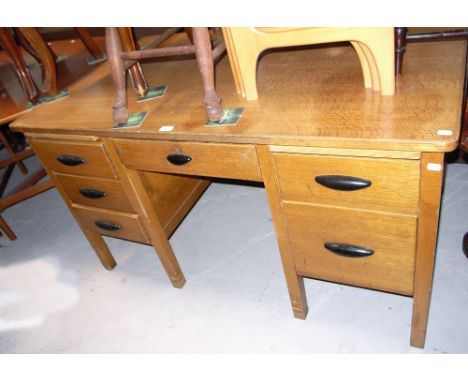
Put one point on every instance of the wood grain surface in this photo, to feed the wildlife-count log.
(309, 97)
(394, 182)
(96, 163)
(391, 236)
(114, 198)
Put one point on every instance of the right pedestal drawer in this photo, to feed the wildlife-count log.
(357, 247)
(386, 184)
(351, 219)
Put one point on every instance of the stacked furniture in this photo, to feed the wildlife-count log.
(353, 178)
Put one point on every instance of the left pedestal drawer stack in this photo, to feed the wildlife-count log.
(85, 176)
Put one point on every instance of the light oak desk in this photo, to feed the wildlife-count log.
(313, 121)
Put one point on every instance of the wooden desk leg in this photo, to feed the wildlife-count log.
(202, 42)
(156, 232)
(138, 196)
(114, 48)
(21, 70)
(101, 249)
(429, 206)
(295, 283)
(37, 43)
(136, 74)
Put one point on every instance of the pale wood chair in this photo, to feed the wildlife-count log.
(374, 47)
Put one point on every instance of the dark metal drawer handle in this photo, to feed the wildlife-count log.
(70, 160)
(348, 250)
(179, 159)
(92, 194)
(108, 226)
(342, 182)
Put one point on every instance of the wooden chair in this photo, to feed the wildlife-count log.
(32, 41)
(374, 47)
(402, 37)
(27, 188)
(13, 51)
(124, 57)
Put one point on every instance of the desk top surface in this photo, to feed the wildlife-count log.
(313, 96)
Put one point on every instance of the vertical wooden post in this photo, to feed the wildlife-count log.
(114, 48)
(432, 171)
(135, 71)
(294, 282)
(89, 43)
(400, 48)
(201, 40)
(140, 200)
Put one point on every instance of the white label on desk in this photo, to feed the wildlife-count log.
(434, 167)
(166, 128)
(446, 133)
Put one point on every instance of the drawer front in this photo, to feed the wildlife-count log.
(394, 183)
(391, 237)
(111, 223)
(96, 192)
(204, 159)
(88, 159)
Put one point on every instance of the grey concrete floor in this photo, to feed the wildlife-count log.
(55, 297)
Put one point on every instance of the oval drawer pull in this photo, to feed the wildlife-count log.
(92, 194)
(348, 250)
(342, 182)
(70, 160)
(178, 159)
(107, 225)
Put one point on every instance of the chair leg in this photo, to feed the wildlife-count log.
(382, 46)
(8, 147)
(21, 70)
(6, 229)
(35, 40)
(136, 74)
(372, 66)
(365, 67)
(400, 48)
(114, 48)
(202, 42)
(189, 33)
(233, 61)
(89, 43)
(246, 61)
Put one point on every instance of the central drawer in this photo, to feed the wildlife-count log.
(379, 184)
(351, 235)
(203, 159)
